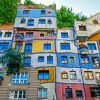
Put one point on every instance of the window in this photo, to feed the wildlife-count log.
(72, 59)
(29, 34)
(27, 62)
(42, 93)
(91, 46)
(41, 35)
(64, 75)
(69, 93)
(7, 34)
(0, 34)
(49, 59)
(49, 21)
(18, 46)
(28, 48)
(95, 92)
(42, 21)
(41, 59)
(17, 95)
(49, 12)
(64, 59)
(95, 21)
(47, 46)
(30, 22)
(65, 46)
(97, 75)
(26, 12)
(88, 75)
(79, 93)
(43, 12)
(84, 59)
(73, 75)
(43, 74)
(82, 28)
(20, 78)
(49, 34)
(19, 36)
(95, 61)
(4, 46)
(23, 20)
(64, 35)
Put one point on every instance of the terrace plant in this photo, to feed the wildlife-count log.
(12, 60)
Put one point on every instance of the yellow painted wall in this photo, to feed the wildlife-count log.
(23, 45)
(51, 75)
(94, 37)
(38, 46)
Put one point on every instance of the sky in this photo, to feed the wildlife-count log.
(87, 7)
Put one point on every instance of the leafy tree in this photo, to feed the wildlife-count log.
(28, 2)
(8, 10)
(66, 17)
(13, 60)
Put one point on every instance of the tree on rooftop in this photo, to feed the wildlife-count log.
(8, 10)
(28, 2)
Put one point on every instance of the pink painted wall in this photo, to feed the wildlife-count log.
(60, 90)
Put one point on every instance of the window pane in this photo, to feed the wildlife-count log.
(65, 46)
(50, 59)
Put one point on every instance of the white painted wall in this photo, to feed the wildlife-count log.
(36, 64)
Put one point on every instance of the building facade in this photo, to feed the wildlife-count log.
(61, 63)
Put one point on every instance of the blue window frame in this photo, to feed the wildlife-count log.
(64, 35)
(29, 34)
(4, 46)
(27, 62)
(91, 46)
(41, 59)
(49, 59)
(42, 21)
(26, 12)
(28, 48)
(47, 46)
(43, 74)
(30, 22)
(20, 78)
(65, 46)
(18, 46)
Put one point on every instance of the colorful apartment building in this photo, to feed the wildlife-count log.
(61, 63)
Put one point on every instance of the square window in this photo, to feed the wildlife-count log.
(42, 21)
(73, 75)
(91, 46)
(69, 93)
(72, 59)
(20, 78)
(84, 59)
(64, 59)
(41, 35)
(95, 61)
(64, 75)
(49, 21)
(95, 92)
(43, 12)
(23, 20)
(65, 46)
(82, 28)
(7, 34)
(43, 74)
(64, 35)
(41, 59)
(30, 22)
(49, 59)
(18, 46)
(29, 34)
(26, 12)
(4, 46)
(47, 46)
(79, 93)
(42, 93)
(88, 75)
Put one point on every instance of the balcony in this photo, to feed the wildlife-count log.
(19, 38)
